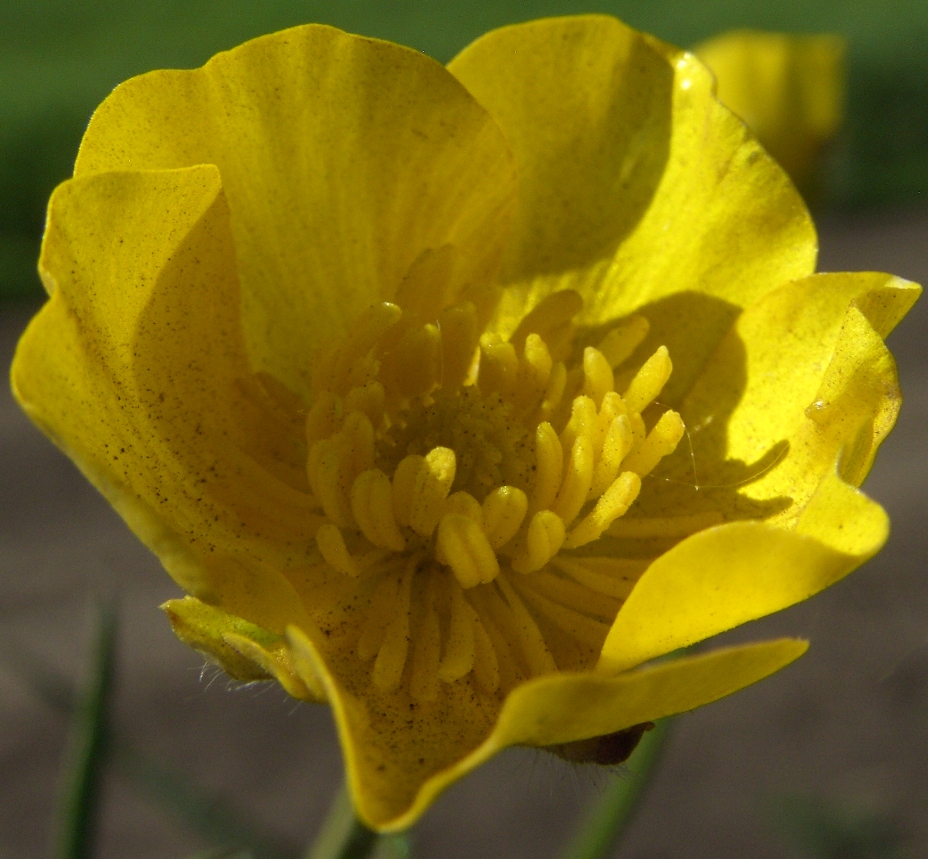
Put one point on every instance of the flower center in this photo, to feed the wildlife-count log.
(458, 473)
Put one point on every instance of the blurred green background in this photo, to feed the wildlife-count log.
(59, 59)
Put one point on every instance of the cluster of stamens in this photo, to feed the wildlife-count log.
(456, 474)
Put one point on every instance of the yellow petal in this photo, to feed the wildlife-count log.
(343, 159)
(545, 712)
(789, 90)
(806, 366)
(136, 369)
(636, 185)
(734, 573)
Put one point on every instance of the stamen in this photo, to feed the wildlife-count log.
(460, 648)
(550, 314)
(499, 367)
(619, 344)
(369, 399)
(325, 480)
(378, 616)
(577, 481)
(504, 510)
(459, 339)
(404, 483)
(467, 550)
(612, 504)
(648, 381)
(616, 445)
(542, 542)
(584, 629)
(486, 664)
(416, 365)
(549, 467)
(597, 375)
(324, 417)
(372, 507)
(661, 441)
(609, 576)
(534, 373)
(532, 642)
(670, 526)
(433, 481)
(332, 547)
(574, 595)
(391, 658)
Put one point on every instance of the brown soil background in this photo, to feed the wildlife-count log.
(847, 724)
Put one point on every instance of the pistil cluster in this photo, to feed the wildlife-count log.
(459, 472)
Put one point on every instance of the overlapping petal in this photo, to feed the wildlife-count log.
(635, 183)
(343, 160)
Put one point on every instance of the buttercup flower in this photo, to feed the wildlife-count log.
(789, 89)
(455, 396)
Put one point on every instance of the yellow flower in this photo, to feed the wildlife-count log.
(789, 89)
(376, 356)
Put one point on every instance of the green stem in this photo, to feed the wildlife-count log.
(606, 821)
(77, 812)
(343, 836)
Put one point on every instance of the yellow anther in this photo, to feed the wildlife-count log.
(372, 506)
(616, 445)
(324, 418)
(578, 478)
(366, 331)
(544, 539)
(549, 467)
(391, 658)
(416, 365)
(597, 375)
(369, 399)
(554, 393)
(584, 421)
(552, 312)
(332, 548)
(459, 338)
(433, 482)
(323, 471)
(619, 344)
(404, 482)
(648, 381)
(464, 504)
(614, 502)
(499, 367)
(458, 657)
(356, 448)
(467, 550)
(661, 441)
(534, 373)
(503, 511)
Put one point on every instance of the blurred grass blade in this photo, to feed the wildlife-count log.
(83, 764)
(342, 835)
(600, 830)
(211, 817)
